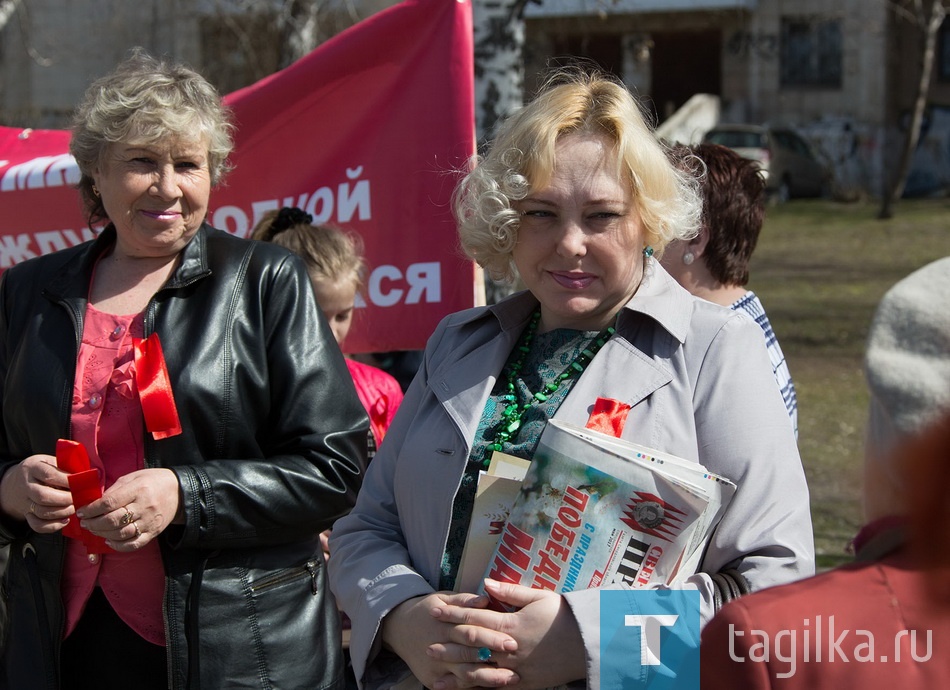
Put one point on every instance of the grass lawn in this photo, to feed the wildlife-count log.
(820, 269)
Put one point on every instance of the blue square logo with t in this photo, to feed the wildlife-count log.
(649, 640)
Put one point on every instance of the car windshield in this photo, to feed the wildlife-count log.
(736, 139)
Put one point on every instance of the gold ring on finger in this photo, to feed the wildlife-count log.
(33, 507)
(138, 532)
(128, 518)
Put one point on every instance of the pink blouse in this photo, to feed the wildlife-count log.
(107, 420)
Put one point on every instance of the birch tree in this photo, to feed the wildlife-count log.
(499, 36)
(7, 8)
(927, 16)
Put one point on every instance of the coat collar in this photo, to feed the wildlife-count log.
(880, 537)
(662, 299)
(659, 297)
(463, 383)
(72, 280)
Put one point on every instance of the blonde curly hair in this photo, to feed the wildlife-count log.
(522, 158)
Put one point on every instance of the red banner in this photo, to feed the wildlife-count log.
(367, 132)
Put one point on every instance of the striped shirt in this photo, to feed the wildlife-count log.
(751, 305)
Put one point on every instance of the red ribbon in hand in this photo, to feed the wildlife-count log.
(608, 416)
(72, 458)
(155, 388)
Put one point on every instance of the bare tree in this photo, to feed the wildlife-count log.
(253, 39)
(305, 24)
(499, 79)
(299, 22)
(927, 15)
(7, 8)
(499, 36)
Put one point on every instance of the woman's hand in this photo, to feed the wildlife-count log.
(37, 491)
(413, 630)
(134, 510)
(549, 651)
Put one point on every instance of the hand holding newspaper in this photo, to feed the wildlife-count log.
(594, 510)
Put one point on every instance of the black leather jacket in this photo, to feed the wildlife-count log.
(270, 455)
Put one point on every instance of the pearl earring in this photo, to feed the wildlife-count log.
(688, 258)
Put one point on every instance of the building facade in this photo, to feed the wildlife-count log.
(843, 72)
(50, 50)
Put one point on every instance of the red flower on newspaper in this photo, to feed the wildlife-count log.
(652, 515)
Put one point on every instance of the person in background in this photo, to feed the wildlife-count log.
(220, 423)
(577, 196)
(714, 264)
(335, 263)
(872, 623)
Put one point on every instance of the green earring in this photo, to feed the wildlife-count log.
(648, 251)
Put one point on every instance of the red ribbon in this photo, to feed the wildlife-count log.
(608, 416)
(155, 388)
(72, 458)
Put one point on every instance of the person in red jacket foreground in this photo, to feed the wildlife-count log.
(884, 620)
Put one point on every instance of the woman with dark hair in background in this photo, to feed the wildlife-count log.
(714, 264)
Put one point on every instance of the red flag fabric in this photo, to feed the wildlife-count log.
(367, 132)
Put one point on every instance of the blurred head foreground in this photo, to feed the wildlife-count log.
(908, 373)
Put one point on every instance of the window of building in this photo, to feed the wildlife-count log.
(603, 50)
(811, 52)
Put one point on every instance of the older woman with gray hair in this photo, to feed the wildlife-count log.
(577, 198)
(178, 424)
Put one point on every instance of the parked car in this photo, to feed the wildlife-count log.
(788, 162)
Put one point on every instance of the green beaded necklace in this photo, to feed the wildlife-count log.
(514, 411)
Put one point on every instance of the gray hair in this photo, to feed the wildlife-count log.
(147, 100)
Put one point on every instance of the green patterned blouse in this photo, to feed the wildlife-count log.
(550, 354)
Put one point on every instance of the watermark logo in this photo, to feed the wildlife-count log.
(823, 641)
(649, 640)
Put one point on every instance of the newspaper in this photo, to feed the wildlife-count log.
(595, 510)
(496, 492)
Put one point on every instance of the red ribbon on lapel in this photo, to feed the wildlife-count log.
(155, 388)
(72, 458)
(608, 416)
